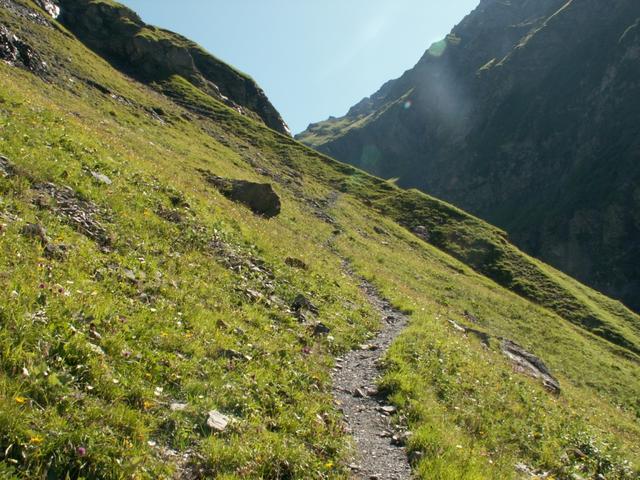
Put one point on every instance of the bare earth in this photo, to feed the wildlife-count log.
(367, 415)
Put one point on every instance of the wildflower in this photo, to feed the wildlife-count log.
(81, 451)
(20, 400)
(36, 440)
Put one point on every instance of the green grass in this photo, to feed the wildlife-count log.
(91, 359)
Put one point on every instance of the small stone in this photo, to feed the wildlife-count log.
(6, 169)
(217, 421)
(54, 251)
(178, 407)
(321, 329)
(303, 303)
(400, 439)
(102, 178)
(296, 263)
(35, 230)
(422, 232)
(415, 457)
(359, 393)
(95, 349)
(388, 409)
(372, 392)
(130, 275)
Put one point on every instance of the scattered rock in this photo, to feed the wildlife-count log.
(17, 53)
(296, 263)
(170, 215)
(529, 364)
(321, 329)
(372, 392)
(101, 177)
(400, 439)
(130, 275)
(457, 326)
(6, 168)
(217, 421)
(379, 230)
(471, 317)
(178, 407)
(301, 303)
(56, 251)
(22, 11)
(415, 457)
(35, 230)
(96, 349)
(359, 393)
(530, 472)
(259, 197)
(79, 213)
(231, 354)
(50, 7)
(388, 410)
(484, 337)
(51, 250)
(422, 232)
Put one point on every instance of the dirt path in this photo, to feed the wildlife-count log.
(379, 455)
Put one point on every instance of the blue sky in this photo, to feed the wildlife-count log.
(314, 58)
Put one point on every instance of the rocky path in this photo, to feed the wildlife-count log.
(379, 451)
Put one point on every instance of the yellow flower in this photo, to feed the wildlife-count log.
(147, 404)
(36, 439)
(329, 465)
(20, 400)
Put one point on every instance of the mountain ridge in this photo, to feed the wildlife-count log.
(511, 117)
(153, 55)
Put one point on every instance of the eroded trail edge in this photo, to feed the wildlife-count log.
(379, 451)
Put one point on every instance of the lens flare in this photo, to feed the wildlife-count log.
(408, 105)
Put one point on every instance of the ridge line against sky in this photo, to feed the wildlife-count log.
(313, 58)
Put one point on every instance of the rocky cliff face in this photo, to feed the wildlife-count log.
(154, 55)
(527, 114)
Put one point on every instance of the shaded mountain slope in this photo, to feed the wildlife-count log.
(527, 115)
(142, 301)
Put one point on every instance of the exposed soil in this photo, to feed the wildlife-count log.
(379, 454)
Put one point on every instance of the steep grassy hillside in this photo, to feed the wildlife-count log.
(527, 115)
(139, 298)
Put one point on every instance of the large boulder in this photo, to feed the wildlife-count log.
(259, 197)
(528, 364)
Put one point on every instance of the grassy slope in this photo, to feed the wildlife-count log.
(472, 415)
